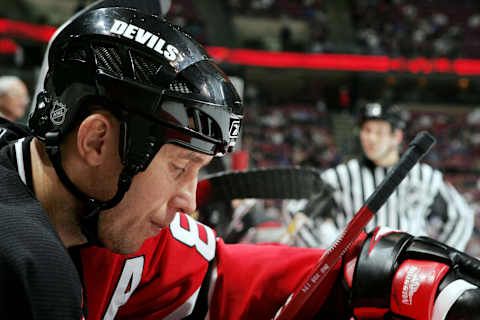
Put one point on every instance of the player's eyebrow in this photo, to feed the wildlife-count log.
(194, 157)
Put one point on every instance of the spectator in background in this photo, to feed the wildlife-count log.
(423, 204)
(14, 98)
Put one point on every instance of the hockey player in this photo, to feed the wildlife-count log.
(131, 108)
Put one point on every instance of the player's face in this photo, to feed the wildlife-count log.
(378, 140)
(167, 186)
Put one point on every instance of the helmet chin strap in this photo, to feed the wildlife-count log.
(89, 221)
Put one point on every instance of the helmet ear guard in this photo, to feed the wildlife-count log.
(137, 156)
(40, 121)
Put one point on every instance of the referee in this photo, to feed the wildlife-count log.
(423, 204)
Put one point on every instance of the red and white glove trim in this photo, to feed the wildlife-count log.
(413, 286)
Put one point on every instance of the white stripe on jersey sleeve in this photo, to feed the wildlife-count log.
(418, 216)
(185, 309)
(436, 182)
(393, 214)
(427, 174)
(330, 177)
(20, 162)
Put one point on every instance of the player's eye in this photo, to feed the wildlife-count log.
(179, 169)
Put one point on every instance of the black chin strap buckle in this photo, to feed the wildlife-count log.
(52, 142)
(93, 207)
(89, 222)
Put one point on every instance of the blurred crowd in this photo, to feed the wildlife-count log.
(183, 13)
(417, 28)
(303, 9)
(291, 134)
(386, 27)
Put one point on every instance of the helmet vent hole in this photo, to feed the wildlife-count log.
(203, 124)
(77, 54)
(108, 59)
(145, 70)
(179, 86)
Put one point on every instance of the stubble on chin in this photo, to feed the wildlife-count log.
(121, 242)
(124, 245)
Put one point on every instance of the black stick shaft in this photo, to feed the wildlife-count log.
(420, 145)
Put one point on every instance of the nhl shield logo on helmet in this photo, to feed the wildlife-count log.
(57, 115)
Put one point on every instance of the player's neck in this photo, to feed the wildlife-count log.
(62, 207)
(6, 115)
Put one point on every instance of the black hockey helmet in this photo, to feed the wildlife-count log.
(144, 68)
(382, 111)
(159, 82)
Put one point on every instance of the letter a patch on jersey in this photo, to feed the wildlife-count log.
(127, 283)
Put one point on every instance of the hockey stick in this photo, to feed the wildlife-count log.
(318, 277)
(264, 183)
(285, 182)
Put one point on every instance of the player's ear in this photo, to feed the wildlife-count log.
(398, 136)
(94, 138)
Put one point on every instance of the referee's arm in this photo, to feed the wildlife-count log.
(456, 215)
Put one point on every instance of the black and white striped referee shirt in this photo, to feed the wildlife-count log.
(423, 204)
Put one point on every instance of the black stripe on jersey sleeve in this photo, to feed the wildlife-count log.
(350, 181)
(388, 203)
(362, 182)
(200, 309)
(375, 184)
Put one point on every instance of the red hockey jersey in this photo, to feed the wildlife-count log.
(186, 271)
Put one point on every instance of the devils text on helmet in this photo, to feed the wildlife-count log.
(144, 37)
